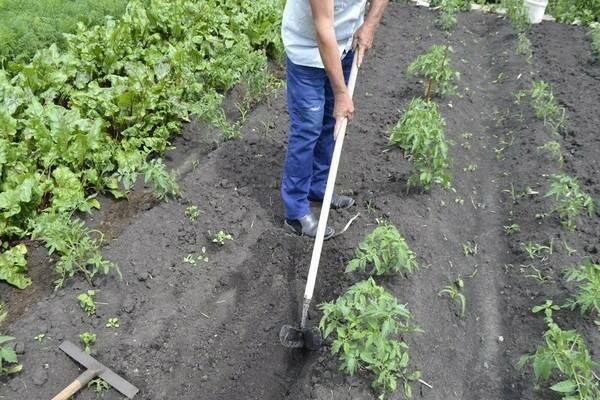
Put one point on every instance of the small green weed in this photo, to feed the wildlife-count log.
(220, 238)
(99, 384)
(553, 148)
(192, 213)
(454, 292)
(469, 249)
(511, 229)
(189, 259)
(536, 274)
(87, 339)
(534, 250)
(363, 321)
(39, 337)
(386, 251)
(86, 302)
(112, 323)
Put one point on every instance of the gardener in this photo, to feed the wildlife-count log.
(319, 38)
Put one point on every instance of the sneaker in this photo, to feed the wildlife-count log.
(338, 202)
(306, 226)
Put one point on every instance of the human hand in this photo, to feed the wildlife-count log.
(363, 40)
(343, 108)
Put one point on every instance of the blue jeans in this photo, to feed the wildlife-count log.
(310, 140)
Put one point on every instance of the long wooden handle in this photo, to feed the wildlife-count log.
(77, 384)
(337, 152)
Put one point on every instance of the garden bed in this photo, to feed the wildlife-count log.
(210, 330)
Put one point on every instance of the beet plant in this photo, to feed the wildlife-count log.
(365, 322)
(571, 201)
(385, 251)
(420, 135)
(435, 67)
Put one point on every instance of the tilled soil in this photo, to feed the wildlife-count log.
(210, 330)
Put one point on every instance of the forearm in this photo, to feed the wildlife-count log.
(322, 11)
(376, 9)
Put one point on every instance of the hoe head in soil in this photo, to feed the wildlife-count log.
(293, 337)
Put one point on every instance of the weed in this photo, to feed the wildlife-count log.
(470, 168)
(511, 229)
(435, 67)
(363, 321)
(7, 354)
(87, 339)
(534, 250)
(571, 201)
(39, 337)
(587, 296)
(564, 354)
(454, 292)
(86, 302)
(112, 323)
(446, 20)
(570, 250)
(100, 385)
(459, 200)
(192, 213)
(420, 135)
(189, 259)
(220, 238)
(469, 249)
(203, 256)
(387, 252)
(537, 274)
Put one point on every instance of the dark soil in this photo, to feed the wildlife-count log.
(210, 331)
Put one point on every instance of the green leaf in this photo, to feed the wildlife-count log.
(567, 386)
(8, 355)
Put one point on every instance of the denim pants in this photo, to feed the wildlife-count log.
(310, 140)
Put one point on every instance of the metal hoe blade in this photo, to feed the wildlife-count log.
(109, 376)
(294, 338)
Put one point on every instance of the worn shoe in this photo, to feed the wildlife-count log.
(338, 202)
(306, 226)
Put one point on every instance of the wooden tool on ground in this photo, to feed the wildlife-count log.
(311, 338)
(94, 368)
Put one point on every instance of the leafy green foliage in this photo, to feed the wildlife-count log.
(570, 199)
(93, 118)
(30, 25)
(546, 107)
(364, 321)
(435, 67)
(386, 250)
(595, 35)
(446, 20)
(7, 354)
(568, 11)
(86, 302)
(13, 266)
(77, 244)
(587, 296)
(564, 353)
(518, 15)
(420, 135)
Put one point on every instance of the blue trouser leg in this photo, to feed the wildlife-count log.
(324, 148)
(310, 139)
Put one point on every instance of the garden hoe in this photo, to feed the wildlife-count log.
(311, 338)
(94, 368)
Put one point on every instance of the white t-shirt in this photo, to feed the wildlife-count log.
(298, 29)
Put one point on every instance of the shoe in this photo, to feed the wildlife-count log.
(338, 202)
(306, 226)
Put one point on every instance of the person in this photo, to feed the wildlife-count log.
(320, 38)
